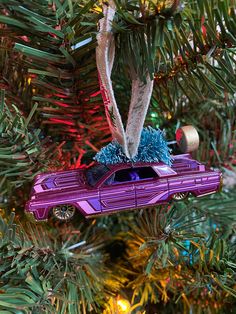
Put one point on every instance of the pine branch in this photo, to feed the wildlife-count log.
(173, 258)
(22, 151)
(196, 46)
(60, 270)
(52, 62)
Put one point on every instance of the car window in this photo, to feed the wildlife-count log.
(146, 173)
(122, 175)
(95, 173)
(131, 174)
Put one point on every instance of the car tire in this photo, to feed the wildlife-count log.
(187, 139)
(64, 212)
(180, 196)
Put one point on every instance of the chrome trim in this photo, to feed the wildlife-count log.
(208, 193)
(221, 183)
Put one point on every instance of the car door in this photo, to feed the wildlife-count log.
(150, 188)
(117, 192)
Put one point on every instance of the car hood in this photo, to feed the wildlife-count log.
(59, 180)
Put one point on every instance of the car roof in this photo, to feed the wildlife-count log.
(134, 165)
(160, 168)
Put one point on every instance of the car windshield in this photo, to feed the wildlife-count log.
(95, 173)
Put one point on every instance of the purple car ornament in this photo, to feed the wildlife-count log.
(103, 189)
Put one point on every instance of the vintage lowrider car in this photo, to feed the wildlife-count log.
(103, 189)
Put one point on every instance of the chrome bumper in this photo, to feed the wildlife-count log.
(221, 183)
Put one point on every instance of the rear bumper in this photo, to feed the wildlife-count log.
(221, 183)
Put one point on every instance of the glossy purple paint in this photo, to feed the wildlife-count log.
(147, 184)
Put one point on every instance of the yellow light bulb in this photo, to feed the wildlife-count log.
(169, 116)
(123, 306)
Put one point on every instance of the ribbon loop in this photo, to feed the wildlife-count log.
(141, 92)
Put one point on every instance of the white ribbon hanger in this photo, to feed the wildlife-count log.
(141, 92)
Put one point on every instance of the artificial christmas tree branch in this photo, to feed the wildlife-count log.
(22, 152)
(43, 271)
(173, 253)
(45, 50)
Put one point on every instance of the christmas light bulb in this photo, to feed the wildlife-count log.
(123, 306)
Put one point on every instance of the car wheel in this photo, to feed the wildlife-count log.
(64, 212)
(187, 139)
(180, 196)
